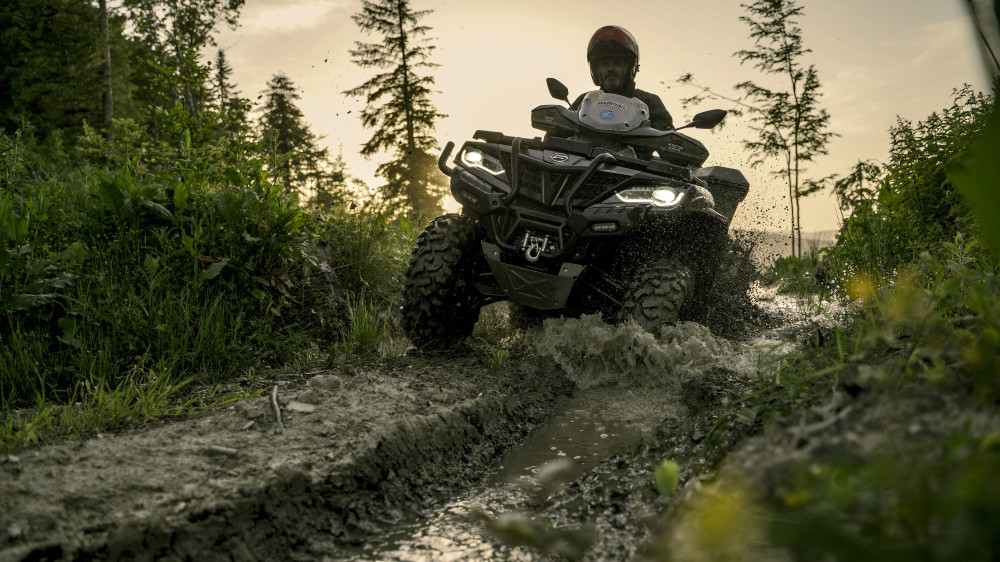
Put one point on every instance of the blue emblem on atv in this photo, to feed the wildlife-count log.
(607, 114)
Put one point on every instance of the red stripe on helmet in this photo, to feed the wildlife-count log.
(612, 32)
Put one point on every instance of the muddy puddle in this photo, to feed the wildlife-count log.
(628, 382)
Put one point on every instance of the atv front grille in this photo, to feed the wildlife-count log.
(528, 204)
(549, 188)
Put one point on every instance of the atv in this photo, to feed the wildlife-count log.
(584, 220)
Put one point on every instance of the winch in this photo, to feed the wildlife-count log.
(533, 245)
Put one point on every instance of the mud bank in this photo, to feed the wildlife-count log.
(359, 448)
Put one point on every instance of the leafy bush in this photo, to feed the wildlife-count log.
(916, 207)
(177, 267)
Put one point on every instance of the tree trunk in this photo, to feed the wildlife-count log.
(412, 188)
(108, 109)
(791, 197)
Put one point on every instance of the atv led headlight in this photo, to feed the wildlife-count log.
(659, 195)
(475, 158)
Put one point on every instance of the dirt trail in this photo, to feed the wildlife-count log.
(359, 447)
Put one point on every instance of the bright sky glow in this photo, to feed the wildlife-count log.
(875, 60)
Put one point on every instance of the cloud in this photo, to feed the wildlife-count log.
(282, 17)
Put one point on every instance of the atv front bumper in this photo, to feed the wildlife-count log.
(533, 288)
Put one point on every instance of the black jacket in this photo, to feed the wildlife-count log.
(659, 117)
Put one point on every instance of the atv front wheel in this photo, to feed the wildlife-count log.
(440, 304)
(657, 293)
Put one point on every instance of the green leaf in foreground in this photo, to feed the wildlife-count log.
(978, 179)
(667, 477)
(213, 270)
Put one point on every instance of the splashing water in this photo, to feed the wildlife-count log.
(594, 354)
(628, 382)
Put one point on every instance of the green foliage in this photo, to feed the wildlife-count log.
(936, 501)
(371, 250)
(367, 332)
(398, 103)
(108, 270)
(856, 188)
(917, 207)
(976, 177)
(667, 477)
(54, 83)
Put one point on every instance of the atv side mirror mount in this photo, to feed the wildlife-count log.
(557, 90)
(706, 119)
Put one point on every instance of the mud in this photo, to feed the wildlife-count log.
(359, 449)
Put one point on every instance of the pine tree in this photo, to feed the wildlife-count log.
(231, 107)
(789, 123)
(398, 103)
(223, 86)
(295, 160)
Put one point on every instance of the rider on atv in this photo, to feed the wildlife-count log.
(613, 55)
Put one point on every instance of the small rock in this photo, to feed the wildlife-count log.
(220, 450)
(308, 397)
(300, 407)
(329, 428)
(16, 529)
(697, 436)
(247, 425)
(328, 382)
(13, 459)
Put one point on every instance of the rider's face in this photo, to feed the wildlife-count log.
(612, 72)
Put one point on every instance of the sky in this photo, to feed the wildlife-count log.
(876, 60)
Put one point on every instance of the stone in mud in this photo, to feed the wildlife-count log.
(327, 382)
(300, 407)
(308, 397)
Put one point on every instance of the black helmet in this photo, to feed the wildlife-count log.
(613, 41)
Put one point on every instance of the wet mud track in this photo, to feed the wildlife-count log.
(359, 449)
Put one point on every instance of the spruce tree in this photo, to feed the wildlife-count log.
(398, 104)
(231, 107)
(296, 161)
(222, 81)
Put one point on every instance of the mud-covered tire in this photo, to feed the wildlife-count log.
(440, 305)
(657, 294)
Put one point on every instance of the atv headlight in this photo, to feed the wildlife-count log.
(475, 158)
(659, 195)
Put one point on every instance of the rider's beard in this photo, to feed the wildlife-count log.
(612, 83)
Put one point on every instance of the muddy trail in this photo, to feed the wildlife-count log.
(442, 458)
